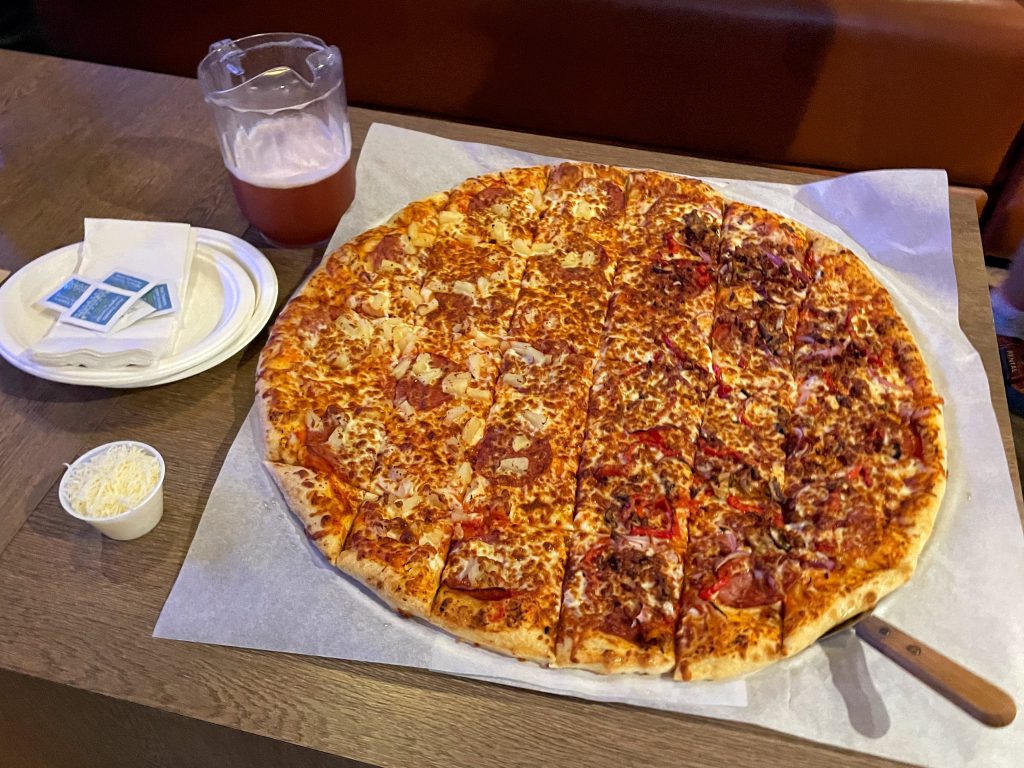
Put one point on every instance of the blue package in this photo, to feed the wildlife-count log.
(158, 297)
(126, 282)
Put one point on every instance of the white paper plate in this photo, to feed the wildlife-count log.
(232, 295)
(263, 277)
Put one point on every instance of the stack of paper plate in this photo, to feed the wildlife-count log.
(232, 296)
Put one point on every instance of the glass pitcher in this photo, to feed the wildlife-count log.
(278, 102)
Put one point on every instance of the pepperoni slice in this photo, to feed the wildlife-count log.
(567, 174)
(495, 447)
(388, 249)
(419, 394)
(488, 197)
(749, 589)
(613, 198)
(452, 309)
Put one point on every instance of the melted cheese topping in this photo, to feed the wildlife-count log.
(112, 482)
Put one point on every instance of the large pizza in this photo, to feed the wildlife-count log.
(605, 419)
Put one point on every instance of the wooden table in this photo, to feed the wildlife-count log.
(82, 682)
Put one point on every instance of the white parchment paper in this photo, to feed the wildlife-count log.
(251, 579)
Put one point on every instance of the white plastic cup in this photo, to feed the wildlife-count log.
(132, 523)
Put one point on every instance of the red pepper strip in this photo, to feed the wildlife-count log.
(708, 592)
(859, 470)
(778, 520)
(635, 369)
(720, 332)
(829, 381)
(471, 529)
(702, 277)
(723, 388)
(918, 443)
(874, 361)
(661, 503)
(742, 506)
(653, 438)
(727, 453)
(671, 244)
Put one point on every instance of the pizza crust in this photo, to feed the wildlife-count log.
(851, 600)
(404, 595)
(464, 617)
(607, 654)
(323, 506)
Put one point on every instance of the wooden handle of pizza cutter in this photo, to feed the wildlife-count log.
(974, 695)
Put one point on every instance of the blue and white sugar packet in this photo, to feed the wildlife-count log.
(128, 282)
(157, 301)
(99, 308)
(68, 293)
(163, 298)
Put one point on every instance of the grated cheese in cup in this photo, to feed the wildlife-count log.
(112, 482)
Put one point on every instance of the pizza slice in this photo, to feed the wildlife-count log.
(572, 266)
(744, 474)
(470, 288)
(324, 505)
(762, 249)
(664, 296)
(526, 460)
(675, 214)
(857, 516)
(851, 552)
(502, 588)
(745, 429)
(499, 208)
(397, 547)
(303, 422)
(585, 198)
(737, 570)
(851, 342)
(638, 488)
(642, 324)
(439, 403)
(642, 423)
(753, 339)
(633, 398)
(619, 604)
(540, 315)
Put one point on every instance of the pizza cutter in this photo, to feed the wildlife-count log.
(974, 695)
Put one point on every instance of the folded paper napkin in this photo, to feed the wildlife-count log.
(161, 250)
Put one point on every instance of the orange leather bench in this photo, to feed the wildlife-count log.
(832, 84)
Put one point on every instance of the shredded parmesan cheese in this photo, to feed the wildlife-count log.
(112, 482)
